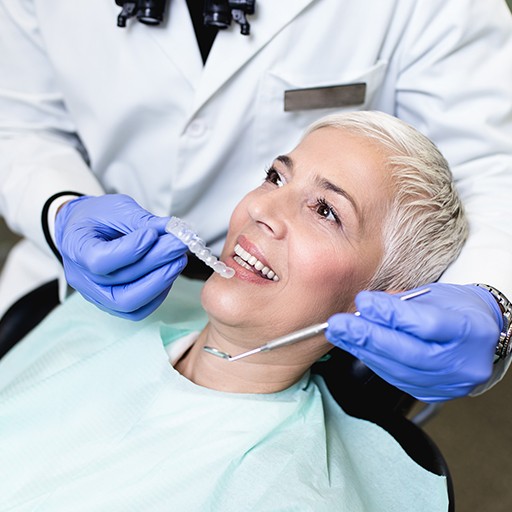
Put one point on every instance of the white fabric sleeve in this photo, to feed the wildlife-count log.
(40, 153)
(455, 86)
(52, 212)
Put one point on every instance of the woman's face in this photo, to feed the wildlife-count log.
(316, 223)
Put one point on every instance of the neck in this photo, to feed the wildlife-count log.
(268, 372)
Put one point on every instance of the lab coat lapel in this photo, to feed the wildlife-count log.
(231, 50)
(177, 40)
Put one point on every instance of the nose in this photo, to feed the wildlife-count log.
(271, 211)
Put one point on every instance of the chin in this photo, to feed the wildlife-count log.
(222, 301)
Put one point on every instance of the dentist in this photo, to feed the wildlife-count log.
(101, 125)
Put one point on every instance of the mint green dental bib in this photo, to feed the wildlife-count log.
(96, 419)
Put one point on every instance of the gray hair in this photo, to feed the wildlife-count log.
(425, 228)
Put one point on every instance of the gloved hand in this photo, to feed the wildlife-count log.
(435, 347)
(118, 255)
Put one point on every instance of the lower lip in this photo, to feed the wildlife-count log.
(247, 275)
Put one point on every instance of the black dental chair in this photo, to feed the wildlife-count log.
(359, 391)
(26, 313)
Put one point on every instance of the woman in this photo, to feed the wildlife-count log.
(95, 418)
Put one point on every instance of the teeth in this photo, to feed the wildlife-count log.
(248, 261)
(241, 262)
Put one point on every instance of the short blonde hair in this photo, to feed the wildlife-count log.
(426, 226)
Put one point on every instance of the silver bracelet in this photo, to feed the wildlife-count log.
(504, 345)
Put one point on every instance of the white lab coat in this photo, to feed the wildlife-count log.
(189, 140)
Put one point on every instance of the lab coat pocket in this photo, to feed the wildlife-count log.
(289, 101)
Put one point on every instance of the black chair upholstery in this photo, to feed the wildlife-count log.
(26, 313)
(358, 389)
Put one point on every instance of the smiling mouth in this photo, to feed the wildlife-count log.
(250, 262)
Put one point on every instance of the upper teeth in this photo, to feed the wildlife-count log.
(248, 260)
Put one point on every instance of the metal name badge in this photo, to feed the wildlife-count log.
(332, 96)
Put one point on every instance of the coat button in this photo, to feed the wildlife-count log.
(196, 128)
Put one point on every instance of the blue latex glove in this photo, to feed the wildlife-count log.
(435, 347)
(118, 255)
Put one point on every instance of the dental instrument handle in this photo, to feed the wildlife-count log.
(294, 337)
(282, 341)
(313, 330)
(301, 334)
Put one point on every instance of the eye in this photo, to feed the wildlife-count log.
(274, 177)
(326, 211)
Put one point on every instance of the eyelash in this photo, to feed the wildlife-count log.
(322, 203)
(272, 176)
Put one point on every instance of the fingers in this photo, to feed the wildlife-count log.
(157, 223)
(165, 250)
(428, 385)
(136, 254)
(346, 330)
(435, 347)
(425, 318)
(134, 298)
(138, 314)
(101, 256)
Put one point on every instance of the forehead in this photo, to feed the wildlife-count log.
(342, 152)
(344, 157)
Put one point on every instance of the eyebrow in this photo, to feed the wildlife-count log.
(326, 185)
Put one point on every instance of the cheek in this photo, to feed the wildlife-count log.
(238, 219)
(328, 275)
(332, 273)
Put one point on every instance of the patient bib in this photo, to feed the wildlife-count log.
(98, 420)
